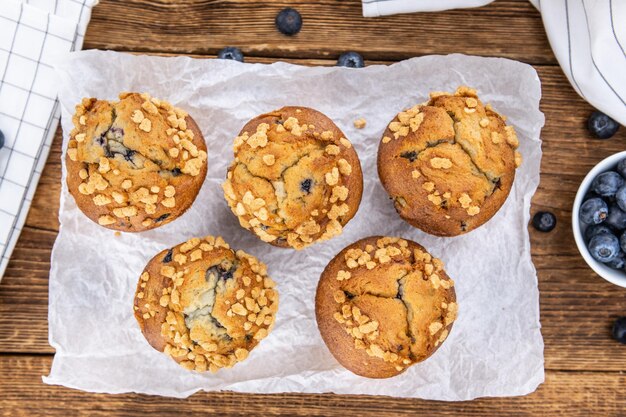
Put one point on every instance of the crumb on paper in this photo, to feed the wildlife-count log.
(118, 233)
(360, 123)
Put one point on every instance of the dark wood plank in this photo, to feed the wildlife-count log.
(507, 28)
(24, 294)
(44, 209)
(563, 393)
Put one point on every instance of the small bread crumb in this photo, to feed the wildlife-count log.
(360, 123)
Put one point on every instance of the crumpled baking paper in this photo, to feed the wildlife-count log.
(495, 347)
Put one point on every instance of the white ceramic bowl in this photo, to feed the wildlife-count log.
(614, 276)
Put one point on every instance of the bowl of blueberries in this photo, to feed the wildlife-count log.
(599, 219)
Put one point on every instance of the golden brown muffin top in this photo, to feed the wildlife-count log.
(295, 179)
(136, 159)
(383, 304)
(447, 161)
(204, 304)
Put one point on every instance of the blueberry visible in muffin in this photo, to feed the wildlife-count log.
(204, 304)
(448, 164)
(295, 180)
(134, 164)
(384, 304)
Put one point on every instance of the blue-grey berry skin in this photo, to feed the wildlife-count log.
(622, 241)
(604, 248)
(544, 221)
(607, 183)
(288, 21)
(230, 52)
(591, 194)
(601, 126)
(1, 139)
(596, 229)
(619, 262)
(619, 330)
(351, 60)
(621, 168)
(620, 197)
(616, 218)
(593, 211)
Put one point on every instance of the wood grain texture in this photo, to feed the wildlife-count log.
(564, 393)
(585, 367)
(510, 28)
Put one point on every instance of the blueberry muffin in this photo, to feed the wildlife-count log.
(295, 179)
(448, 164)
(205, 305)
(384, 304)
(134, 164)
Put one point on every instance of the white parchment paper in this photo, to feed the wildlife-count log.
(495, 347)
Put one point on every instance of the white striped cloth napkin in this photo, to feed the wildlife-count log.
(32, 32)
(588, 38)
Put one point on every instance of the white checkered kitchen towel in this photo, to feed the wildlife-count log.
(32, 32)
(588, 38)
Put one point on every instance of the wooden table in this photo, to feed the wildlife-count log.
(584, 366)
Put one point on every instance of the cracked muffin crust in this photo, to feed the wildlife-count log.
(204, 304)
(295, 179)
(384, 304)
(134, 164)
(448, 164)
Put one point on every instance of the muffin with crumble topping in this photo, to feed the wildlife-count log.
(295, 180)
(384, 304)
(134, 164)
(204, 304)
(448, 164)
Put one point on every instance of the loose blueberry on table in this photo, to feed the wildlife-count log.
(1, 139)
(603, 212)
(601, 126)
(544, 221)
(351, 60)
(288, 21)
(230, 52)
(619, 330)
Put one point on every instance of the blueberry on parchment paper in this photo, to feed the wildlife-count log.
(351, 60)
(230, 52)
